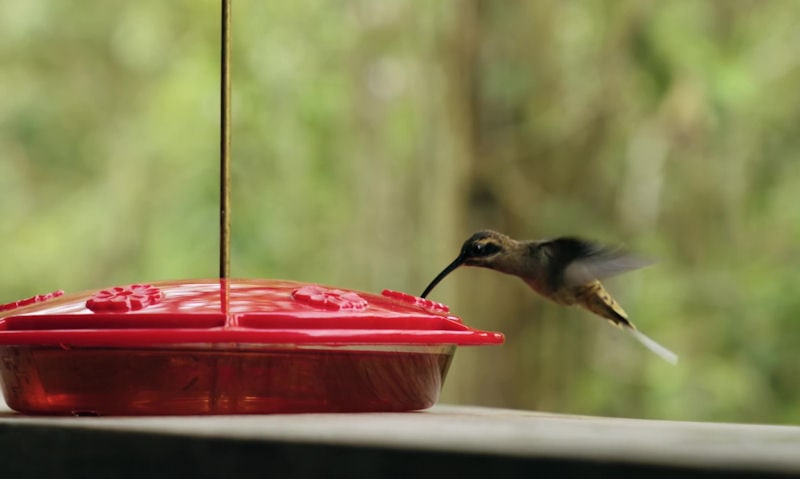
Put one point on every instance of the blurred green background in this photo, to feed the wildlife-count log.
(370, 138)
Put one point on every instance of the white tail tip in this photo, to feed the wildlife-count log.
(660, 350)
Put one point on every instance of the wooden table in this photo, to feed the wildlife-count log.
(445, 441)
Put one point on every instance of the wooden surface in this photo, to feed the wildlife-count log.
(502, 437)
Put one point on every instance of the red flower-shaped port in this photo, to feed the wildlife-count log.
(331, 299)
(123, 299)
(417, 301)
(33, 299)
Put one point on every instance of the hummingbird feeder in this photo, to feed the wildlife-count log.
(226, 346)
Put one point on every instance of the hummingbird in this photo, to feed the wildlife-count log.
(566, 270)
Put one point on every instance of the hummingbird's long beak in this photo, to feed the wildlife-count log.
(455, 264)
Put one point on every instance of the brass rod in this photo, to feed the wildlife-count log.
(225, 144)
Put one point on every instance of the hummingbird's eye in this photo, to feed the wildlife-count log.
(477, 248)
(484, 249)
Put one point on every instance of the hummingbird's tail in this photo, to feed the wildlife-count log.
(597, 300)
(650, 344)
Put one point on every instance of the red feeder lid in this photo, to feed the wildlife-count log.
(233, 311)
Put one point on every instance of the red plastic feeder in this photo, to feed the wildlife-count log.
(227, 347)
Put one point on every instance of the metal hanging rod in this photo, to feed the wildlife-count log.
(225, 144)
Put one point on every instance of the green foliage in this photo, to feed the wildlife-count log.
(371, 137)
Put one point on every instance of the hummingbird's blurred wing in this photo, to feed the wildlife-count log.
(575, 261)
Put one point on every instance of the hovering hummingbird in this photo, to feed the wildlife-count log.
(565, 270)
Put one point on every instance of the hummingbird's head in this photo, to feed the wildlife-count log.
(481, 249)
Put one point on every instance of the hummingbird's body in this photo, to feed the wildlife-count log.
(564, 270)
